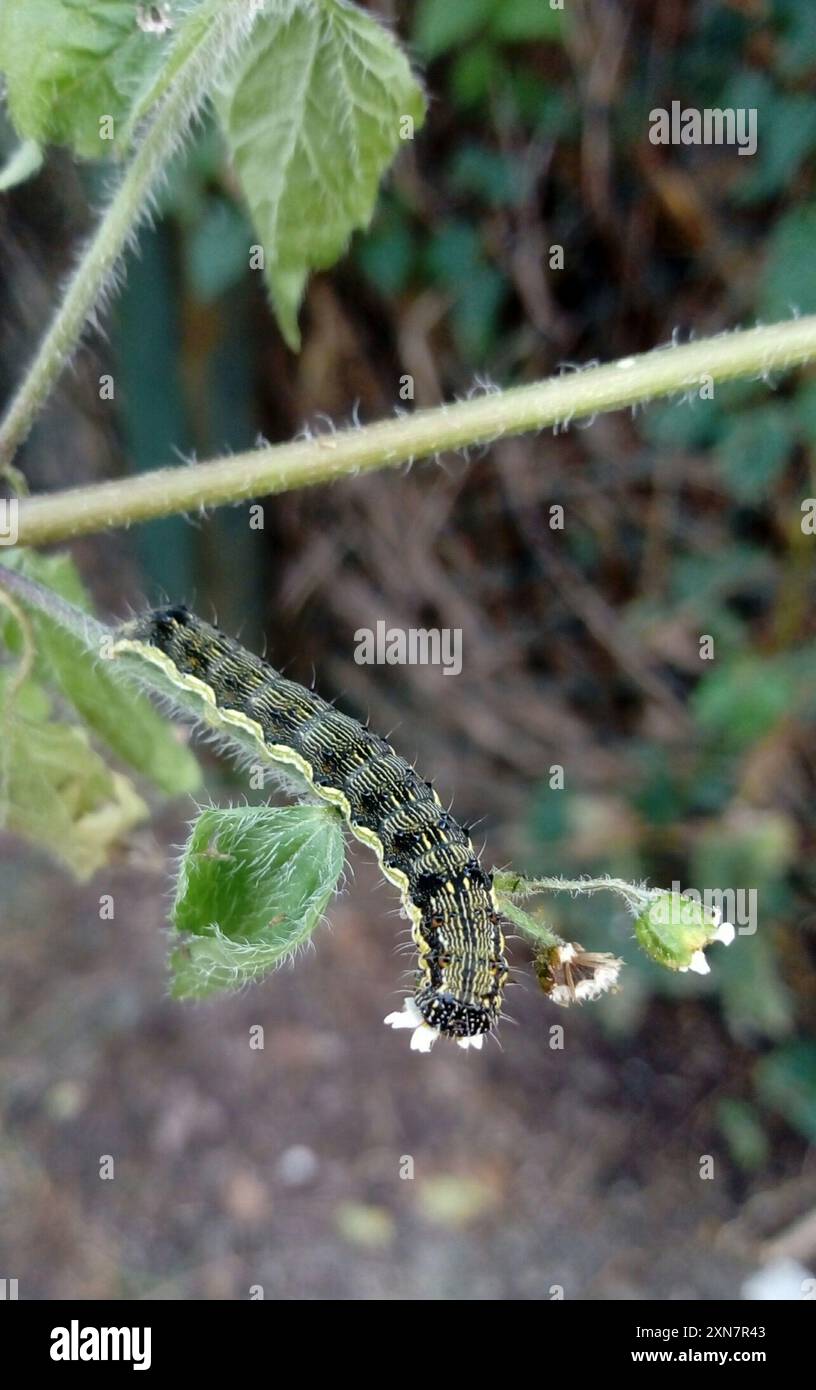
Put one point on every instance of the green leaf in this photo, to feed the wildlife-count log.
(754, 451)
(440, 25)
(741, 700)
(22, 164)
(387, 255)
(476, 71)
(516, 21)
(313, 115)
(455, 258)
(788, 282)
(755, 851)
(786, 1081)
(688, 425)
(55, 791)
(253, 884)
(67, 63)
(744, 1134)
(795, 50)
(443, 25)
(191, 28)
(121, 716)
(788, 138)
(498, 180)
(217, 249)
(756, 1001)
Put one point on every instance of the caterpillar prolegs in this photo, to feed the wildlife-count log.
(447, 895)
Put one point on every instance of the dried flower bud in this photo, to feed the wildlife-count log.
(570, 975)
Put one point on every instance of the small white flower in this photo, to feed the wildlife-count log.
(698, 964)
(475, 1041)
(424, 1036)
(677, 929)
(725, 932)
(408, 1016)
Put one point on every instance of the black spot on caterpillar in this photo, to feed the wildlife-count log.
(445, 892)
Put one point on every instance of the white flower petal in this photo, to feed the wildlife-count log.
(476, 1041)
(604, 978)
(408, 1017)
(699, 964)
(724, 933)
(423, 1038)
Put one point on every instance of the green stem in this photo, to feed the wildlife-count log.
(531, 927)
(485, 418)
(517, 886)
(221, 27)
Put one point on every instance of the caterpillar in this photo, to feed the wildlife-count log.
(446, 894)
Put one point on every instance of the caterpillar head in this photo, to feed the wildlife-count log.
(465, 1020)
(459, 988)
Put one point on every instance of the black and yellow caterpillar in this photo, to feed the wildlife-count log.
(386, 805)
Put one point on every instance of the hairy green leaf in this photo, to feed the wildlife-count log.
(55, 791)
(253, 884)
(69, 63)
(314, 113)
(120, 715)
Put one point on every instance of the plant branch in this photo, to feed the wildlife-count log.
(221, 28)
(517, 886)
(482, 419)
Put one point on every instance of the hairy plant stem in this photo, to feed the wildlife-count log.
(221, 27)
(756, 352)
(517, 886)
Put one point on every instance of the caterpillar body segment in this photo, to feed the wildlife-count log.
(386, 805)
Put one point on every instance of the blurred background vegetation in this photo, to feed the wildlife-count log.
(581, 649)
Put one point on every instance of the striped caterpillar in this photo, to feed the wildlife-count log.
(446, 894)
